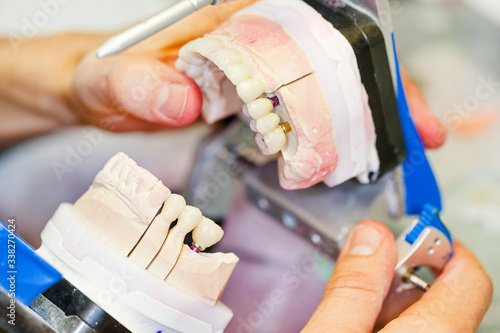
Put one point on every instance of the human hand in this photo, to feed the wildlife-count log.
(456, 302)
(139, 89)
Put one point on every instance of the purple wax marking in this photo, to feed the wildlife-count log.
(275, 100)
(194, 249)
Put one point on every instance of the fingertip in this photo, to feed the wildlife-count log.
(193, 105)
(381, 227)
(367, 237)
(378, 227)
(368, 242)
(371, 241)
(360, 281)
(431, 131)
(179, 104)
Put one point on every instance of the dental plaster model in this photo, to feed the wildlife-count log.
(155, 236)
(282, 55)
(121, 207)
(166, 258)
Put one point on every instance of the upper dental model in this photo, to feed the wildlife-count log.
(297, 77)
(121, 209)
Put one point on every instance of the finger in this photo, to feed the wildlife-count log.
(151, 90)
(430, 129)
(138, 88)
(362, 277)
(456, 302)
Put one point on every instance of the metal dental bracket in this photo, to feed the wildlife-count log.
(425, 243)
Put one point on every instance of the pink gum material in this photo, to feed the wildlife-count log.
(316, 153)
(275, 57)
(279, 61)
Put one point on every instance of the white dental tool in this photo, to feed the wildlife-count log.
(152, 25)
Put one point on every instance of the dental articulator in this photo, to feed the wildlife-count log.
(318, 82)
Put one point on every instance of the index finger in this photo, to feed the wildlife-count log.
(430, 129)
(456, 302)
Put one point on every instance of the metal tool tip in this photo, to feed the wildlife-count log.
(416, 280)
(100, 54)
(110, 47)
(103, 52)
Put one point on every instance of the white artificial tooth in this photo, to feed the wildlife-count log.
(275, 140)
(237, 73)
(189, 219)
(194, 71)
(181, 64)
(206, 45)
(187, 54)
(207, 233)
(259, 108)
(173, 206)
(200, 81)
(250, 89)
(225, 57)
(267, 124)
(192, 51)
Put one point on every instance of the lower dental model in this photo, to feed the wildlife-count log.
(121, 209)
(297, 77)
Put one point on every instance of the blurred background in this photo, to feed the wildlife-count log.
(451, 49)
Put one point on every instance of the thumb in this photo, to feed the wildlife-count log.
(135, 89)
(361, 279)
